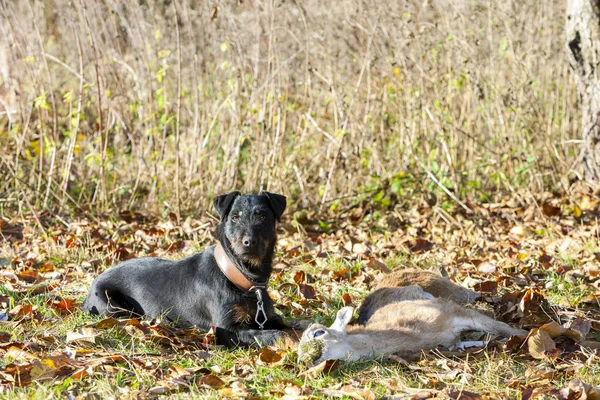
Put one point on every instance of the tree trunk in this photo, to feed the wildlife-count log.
(583, 52)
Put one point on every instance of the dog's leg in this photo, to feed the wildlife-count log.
(262, 337)
(249, 337)
(276, 322)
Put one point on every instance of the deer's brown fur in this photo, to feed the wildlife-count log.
(386, 291)
(410, 325)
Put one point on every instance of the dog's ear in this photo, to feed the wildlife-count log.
(277, 202)
(223, 203)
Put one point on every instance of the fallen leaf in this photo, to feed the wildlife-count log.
(300, 277)
(421, 245)
(49, 367)
(82, 336)
(22, 311)
(325, 367)
(46, 268)
(107, 323)
(535, 373)
(351, 391)
(346, 299)
(175, 371)
(19, 374)
(158, 390)
(271, 356)
(19, 354)
(308, 292)
(464, 395)
(486, 268)
(211, 381)
(541, 345)
(134, 331)
(519, 230)
(82, 373)
(4, 336)
(549, 210)
(237, 389)
(355, 245)
(29, 276)
(577, 389)
(64, 306)
(341, 274)
(376, 264)
(578, 329)
(486, 287)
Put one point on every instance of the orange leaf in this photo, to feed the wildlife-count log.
(341, 274)
(46, 268)
(346, 299)
(299, 277)
(26, 310)
(270, 356)
(82, 373)
(64, 306)
(29, 275)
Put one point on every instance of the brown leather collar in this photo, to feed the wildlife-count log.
(231, 271)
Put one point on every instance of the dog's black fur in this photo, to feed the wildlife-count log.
(194, 291)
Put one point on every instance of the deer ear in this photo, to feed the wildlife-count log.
(223, 203)
(277, 202)
(342, 319)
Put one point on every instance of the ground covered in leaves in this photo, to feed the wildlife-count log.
(538, 264)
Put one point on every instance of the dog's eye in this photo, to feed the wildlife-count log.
(235, 218)
(262, 217)
(319, 333)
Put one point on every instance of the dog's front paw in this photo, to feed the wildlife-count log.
(283, 339)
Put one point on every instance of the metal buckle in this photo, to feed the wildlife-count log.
(260, 309)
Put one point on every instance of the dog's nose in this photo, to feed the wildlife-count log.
(248, 241)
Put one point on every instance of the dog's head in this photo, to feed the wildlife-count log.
(248, 223)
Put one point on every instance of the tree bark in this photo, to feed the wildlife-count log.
(583, 52)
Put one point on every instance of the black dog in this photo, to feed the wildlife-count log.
(196, 291)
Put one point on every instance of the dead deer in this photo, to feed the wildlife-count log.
(435, 285)
(419, 322)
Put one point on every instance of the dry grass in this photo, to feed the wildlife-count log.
(106, 106)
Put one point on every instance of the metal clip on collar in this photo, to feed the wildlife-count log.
(260, 309)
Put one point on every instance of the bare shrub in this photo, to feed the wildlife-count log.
(319, 100)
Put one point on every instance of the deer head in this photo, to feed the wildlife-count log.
(319, 343)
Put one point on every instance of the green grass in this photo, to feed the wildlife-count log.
(148, 363)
